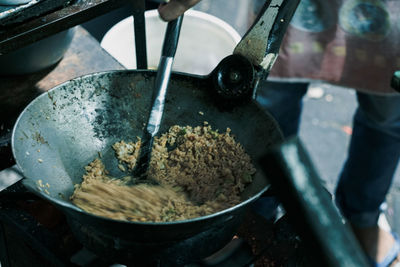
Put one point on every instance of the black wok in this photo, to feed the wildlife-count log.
(65, 128)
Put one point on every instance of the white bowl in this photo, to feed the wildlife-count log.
(36, 56)
(204, 41)
(13, 2)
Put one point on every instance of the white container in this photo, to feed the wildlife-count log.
(204, 41)
(13, 2)
(36, 56)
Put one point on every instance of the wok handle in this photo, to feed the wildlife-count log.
(260, 45)
(10, 176)
(310, 208)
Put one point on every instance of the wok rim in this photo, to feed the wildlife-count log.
(71, 207)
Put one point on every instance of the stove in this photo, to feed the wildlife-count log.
(33, 232)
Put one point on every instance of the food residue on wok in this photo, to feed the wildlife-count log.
(199, 171)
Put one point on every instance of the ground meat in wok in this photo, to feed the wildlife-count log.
(200, 172)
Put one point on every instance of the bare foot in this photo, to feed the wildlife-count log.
(376, 242)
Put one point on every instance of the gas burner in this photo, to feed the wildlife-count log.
(40, 231)
(32, 230)
(235, 253)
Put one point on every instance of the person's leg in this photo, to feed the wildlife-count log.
(284, 102)
(372, 158)
(368, 172)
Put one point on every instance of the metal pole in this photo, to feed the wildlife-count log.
(139, 8)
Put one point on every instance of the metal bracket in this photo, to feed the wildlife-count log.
(139, 20)
(260, 45)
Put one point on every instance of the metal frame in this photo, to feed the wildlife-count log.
(4, 261)
(80, 11)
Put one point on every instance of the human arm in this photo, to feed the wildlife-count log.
(175, 8)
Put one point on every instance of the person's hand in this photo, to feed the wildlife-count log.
(175, 8)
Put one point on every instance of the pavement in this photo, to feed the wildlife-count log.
(326, 130)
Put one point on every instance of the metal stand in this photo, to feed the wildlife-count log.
(78, 12)
(140, 34)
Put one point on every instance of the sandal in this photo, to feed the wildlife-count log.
(391, 255)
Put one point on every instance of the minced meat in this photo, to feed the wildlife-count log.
(199, 170)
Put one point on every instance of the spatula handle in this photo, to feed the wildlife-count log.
(163, 74)
(160, 92)
(172, 37)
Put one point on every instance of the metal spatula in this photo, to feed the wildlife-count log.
(160, 91)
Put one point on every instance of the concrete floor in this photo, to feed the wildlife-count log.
(326, 130)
